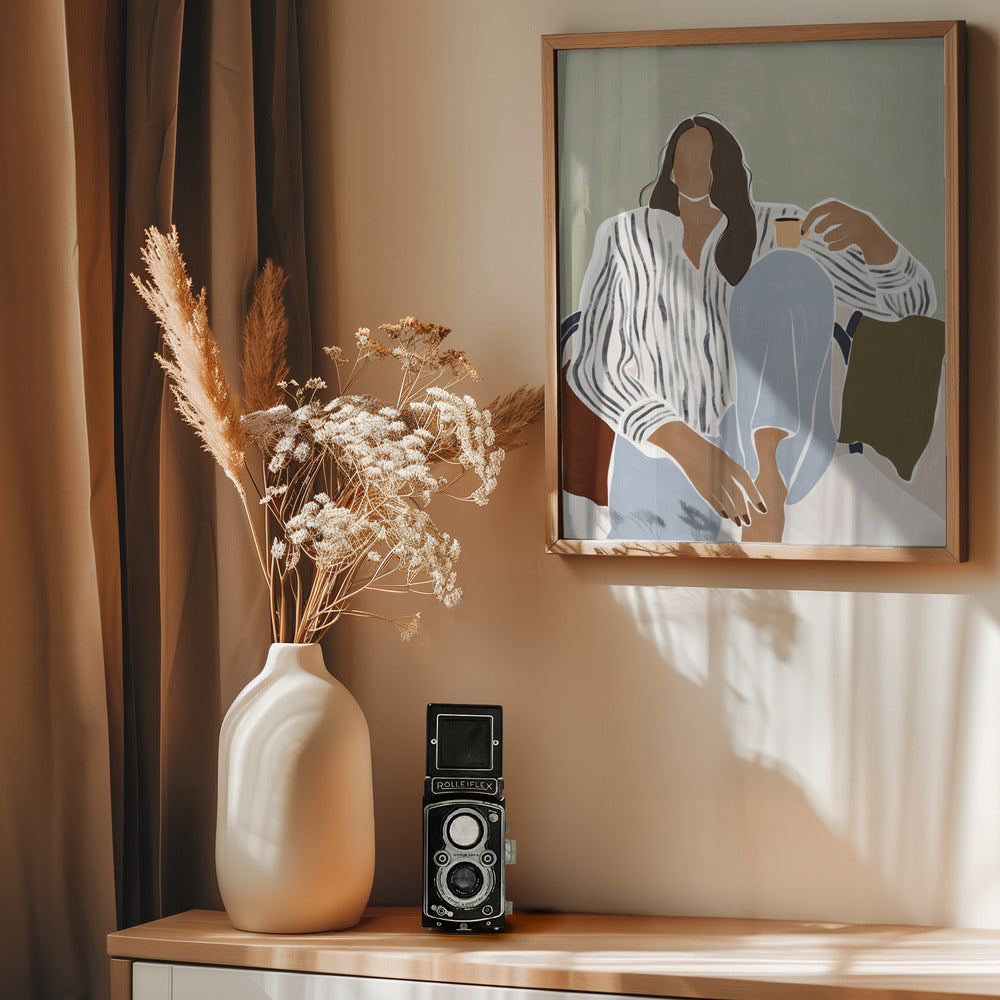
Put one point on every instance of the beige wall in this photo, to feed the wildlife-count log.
(815, 741)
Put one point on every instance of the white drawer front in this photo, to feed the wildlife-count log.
(151, 981)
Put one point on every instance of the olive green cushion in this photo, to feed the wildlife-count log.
(891, 387)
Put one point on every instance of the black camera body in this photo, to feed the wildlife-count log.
(465, 823)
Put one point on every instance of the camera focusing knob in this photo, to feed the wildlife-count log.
(510, 852)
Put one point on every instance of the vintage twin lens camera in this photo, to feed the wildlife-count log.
(465, 848)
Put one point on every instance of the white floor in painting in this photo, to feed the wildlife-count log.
(856, 504)
(853, 504)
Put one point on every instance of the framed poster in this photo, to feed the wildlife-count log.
(754, 253)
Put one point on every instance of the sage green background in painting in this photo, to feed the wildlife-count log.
(862, 121)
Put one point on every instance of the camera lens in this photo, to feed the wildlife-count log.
(465, 880)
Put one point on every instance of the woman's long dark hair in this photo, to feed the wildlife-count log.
(729, 191)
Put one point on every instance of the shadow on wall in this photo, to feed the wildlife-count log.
(862, 731)
(810, 755)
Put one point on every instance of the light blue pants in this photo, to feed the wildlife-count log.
(781, 320)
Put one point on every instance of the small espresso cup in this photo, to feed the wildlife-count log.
(788, 231)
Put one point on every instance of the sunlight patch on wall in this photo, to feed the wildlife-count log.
(673, 620)
(880, 708)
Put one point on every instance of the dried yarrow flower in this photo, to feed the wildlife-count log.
(346, 482)
(408, 627)
(336, 355)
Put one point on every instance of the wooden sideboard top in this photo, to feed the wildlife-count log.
(723, 959)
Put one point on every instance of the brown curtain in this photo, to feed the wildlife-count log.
(132, 609)
(60, 712)
(211, 144)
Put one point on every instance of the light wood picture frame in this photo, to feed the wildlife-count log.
(690, 367)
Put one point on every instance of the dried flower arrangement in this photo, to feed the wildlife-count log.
(344, 484)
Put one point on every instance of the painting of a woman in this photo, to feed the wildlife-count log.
(706, 346)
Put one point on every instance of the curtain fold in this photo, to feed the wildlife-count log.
(61, 711)
(211, 104)
(151, 74)
(133, 608)
(280, 163)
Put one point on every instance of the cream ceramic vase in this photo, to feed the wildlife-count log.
(295, 838)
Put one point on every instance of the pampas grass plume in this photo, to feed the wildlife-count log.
(265, 335)
(191, 357)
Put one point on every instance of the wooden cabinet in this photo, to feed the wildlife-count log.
(158, 981)
(199, 956)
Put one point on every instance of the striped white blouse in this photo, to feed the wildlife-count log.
(653, 342)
